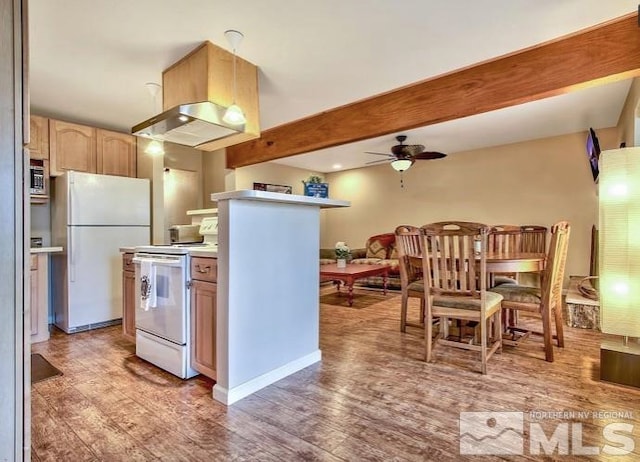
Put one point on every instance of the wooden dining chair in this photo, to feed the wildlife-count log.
(408, 245)
(534, 238)
(545, 300)
(456, 286)
(505, 239)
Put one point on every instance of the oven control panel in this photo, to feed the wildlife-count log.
(209, 225)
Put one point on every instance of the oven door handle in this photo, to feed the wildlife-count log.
(159, 261)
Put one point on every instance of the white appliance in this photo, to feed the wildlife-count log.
(93, 216)
(163, 301)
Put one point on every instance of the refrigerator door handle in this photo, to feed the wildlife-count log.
(70, 223)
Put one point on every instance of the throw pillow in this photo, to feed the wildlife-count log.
(380, 246)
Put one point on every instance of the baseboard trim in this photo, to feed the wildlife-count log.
(229, 397)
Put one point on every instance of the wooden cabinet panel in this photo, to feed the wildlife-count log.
(208, 73)
(39, 138)
(203, 327)
(128, 297)
(71, 147)
(116, 153)
(204, 269)
(39, 294)
(35, 295)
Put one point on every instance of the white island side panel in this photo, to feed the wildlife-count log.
(268, 290)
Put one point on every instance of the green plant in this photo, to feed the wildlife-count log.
(342, 250)
(313, 179)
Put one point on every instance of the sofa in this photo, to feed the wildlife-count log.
(378, 250)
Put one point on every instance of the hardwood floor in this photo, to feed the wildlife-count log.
(371, 398)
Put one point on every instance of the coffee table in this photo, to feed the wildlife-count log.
(351, 273)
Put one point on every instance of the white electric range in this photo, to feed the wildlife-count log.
(163, 300)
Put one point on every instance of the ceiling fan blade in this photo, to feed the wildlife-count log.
(379, 154)
(428, 155)
(407, 149)
(378, 161)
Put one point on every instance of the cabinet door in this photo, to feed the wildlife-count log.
(71, 147)
(116, 153)
(129, 305)
(39, 138)
(203, 327)
(35, 295)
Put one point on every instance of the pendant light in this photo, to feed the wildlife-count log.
(234, 114)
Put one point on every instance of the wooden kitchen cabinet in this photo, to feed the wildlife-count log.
(38, 138)
(128, 297)
(116, 153)
(209, 72)
(71, 147)
(203, 315)
(39, 294)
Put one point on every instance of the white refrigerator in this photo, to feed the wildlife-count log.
(92, 217)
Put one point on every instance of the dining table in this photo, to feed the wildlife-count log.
(515, 262)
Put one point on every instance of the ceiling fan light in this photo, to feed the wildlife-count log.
(234, 115)
(400, 165)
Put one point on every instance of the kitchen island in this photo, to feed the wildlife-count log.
(268, 288)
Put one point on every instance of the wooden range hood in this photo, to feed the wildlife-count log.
(206, 74)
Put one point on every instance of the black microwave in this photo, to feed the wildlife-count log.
(37, 182)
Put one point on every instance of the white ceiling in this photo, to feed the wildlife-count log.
(89, 61)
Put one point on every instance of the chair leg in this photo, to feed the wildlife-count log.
(546, 332)
(428, 334)
(483, 345)
(559, 325)
(403, 312)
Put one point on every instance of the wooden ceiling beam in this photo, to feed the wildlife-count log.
(605, 53)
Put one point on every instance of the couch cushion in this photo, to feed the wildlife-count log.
(380, 246)
(327, 261)
(365, 261)
(393, 254)
(394, 266)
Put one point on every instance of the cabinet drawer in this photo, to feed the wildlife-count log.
(34, 262)
(127, 262)
(204, 269)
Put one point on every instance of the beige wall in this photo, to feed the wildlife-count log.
(630, 116)
(213, 175)
(244, 177)
(153, 167)
(274, 174)
(536, 182)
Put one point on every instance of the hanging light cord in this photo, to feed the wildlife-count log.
(234, 75)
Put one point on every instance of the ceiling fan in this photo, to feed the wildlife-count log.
(403, 156)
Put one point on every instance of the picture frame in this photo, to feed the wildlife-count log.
(278, 188)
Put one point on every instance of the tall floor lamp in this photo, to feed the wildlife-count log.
(619, 264)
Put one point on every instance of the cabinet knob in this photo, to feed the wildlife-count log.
(202, 269)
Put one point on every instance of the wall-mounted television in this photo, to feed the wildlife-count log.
(593, 152)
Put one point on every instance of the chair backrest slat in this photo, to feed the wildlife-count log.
(534, 238)
(553, 275)
(505, 238)
(452, 265)
(409, 245)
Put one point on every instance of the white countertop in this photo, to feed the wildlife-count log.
(128, 249)
(202, 212)
(265, 196)
(45, 249)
